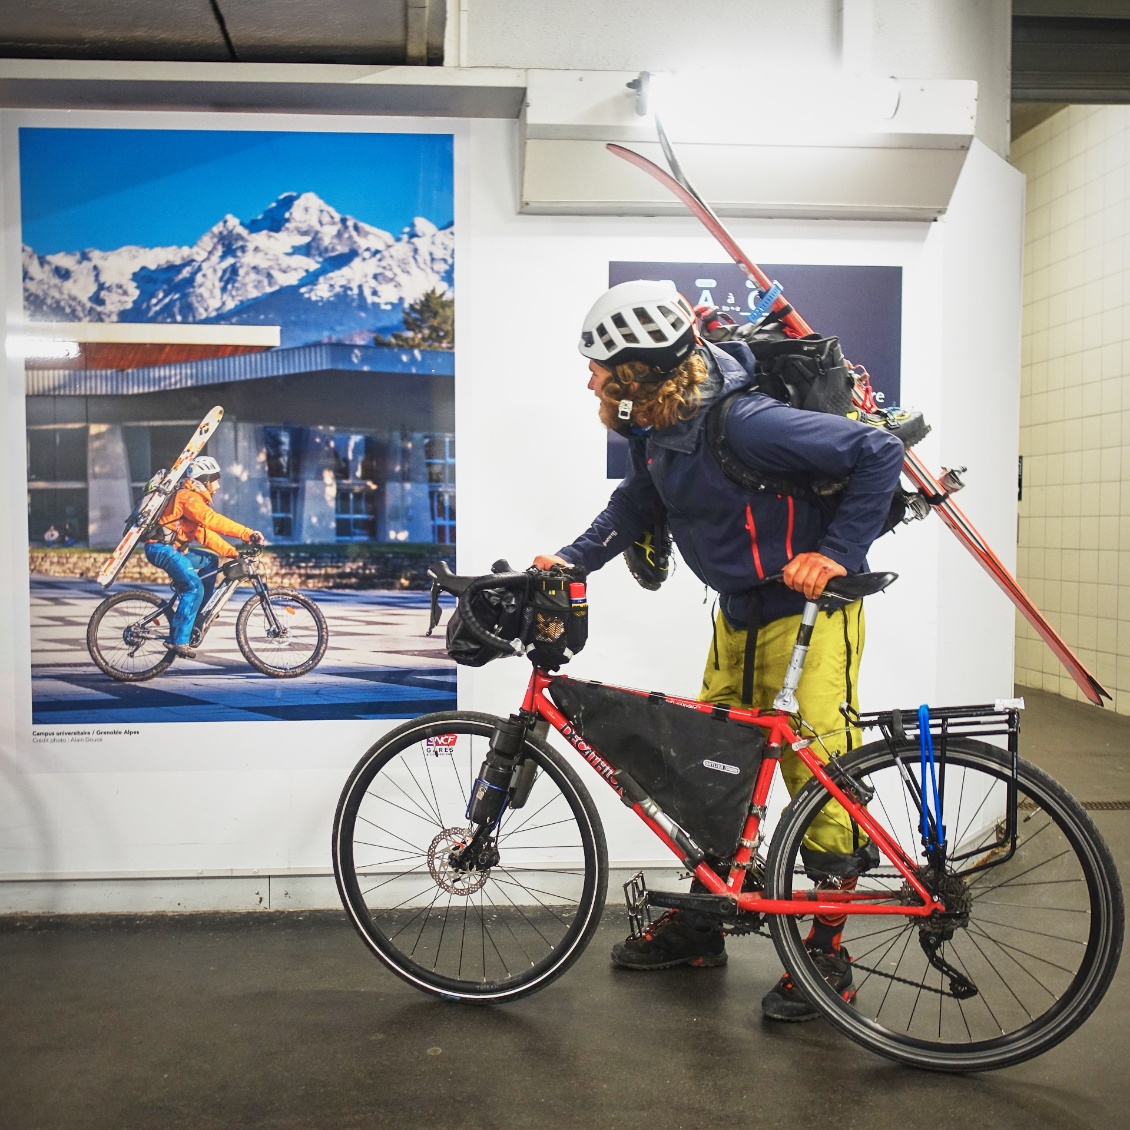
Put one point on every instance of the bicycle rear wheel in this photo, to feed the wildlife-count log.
(126, 636)
(490, 934)
(1036, 934)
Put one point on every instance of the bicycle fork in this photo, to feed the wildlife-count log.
(504, 781)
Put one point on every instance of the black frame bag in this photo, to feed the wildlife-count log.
(698, 767)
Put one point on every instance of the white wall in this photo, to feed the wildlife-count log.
(250, 805)
(937, 39)
(1075, 395)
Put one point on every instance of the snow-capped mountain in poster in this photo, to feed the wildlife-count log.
(301, 265)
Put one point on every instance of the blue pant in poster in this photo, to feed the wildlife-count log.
(184, 569)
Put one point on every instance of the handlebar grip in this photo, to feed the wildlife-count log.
(475, 626)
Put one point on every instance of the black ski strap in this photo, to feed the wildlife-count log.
(753, 629)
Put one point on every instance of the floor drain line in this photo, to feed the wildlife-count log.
(1089, 805)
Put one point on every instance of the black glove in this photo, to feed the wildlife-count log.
(256, 538)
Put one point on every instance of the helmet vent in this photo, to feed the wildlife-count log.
(626, 332)
(654, 331)
(605, 339)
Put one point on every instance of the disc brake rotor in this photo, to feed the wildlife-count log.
(440, 850)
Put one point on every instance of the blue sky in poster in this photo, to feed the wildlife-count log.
(104, 189)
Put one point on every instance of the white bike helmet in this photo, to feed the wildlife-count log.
(203, 467)
(641, 320)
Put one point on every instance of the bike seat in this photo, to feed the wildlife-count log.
(843, 590)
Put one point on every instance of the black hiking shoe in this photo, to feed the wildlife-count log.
(669, 941)
(786, 1002)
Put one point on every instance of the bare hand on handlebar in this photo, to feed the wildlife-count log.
(808, 573)
(546, 561)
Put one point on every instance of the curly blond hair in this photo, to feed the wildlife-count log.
(655, 404)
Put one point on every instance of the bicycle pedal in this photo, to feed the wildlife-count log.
(639, 908)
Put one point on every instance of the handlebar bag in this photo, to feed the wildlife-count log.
(698, 766)
(499, 611)
(556, 624)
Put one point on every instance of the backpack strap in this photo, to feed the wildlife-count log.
(735, 469)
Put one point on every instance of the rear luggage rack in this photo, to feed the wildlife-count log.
(999, 719)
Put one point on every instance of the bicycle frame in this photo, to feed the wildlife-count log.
(223, 592)
(779, 736)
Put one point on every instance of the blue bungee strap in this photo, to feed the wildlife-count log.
(934, 837)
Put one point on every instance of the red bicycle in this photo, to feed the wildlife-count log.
(984, 914)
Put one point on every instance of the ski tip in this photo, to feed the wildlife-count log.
(1100, 692)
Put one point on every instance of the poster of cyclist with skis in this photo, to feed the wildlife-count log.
(258, 345)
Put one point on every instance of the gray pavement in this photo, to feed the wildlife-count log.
(379, 664)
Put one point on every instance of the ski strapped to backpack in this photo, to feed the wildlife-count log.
(932, 493)
(160, 488)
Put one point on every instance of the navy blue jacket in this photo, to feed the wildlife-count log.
(732, 539)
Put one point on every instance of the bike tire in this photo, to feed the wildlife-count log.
(105, 636)
(498, 934)
(254, 652)
(1044, 930)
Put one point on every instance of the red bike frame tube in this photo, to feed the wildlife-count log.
(779, 734)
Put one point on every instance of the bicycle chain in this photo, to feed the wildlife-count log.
(905, 981)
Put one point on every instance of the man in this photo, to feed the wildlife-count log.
(191, 544)
(656, 381)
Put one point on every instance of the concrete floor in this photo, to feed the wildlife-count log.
(276, 1020)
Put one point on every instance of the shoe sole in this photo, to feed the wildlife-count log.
(847, 994)
(693, 962)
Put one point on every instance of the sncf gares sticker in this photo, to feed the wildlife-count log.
(441, 745)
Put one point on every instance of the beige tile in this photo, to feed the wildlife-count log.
(1107, 631)
(1108, 526)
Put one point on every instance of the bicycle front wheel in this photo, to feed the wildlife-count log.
(287, 642)
(126, 636)
(492, 933)
(1031, 937)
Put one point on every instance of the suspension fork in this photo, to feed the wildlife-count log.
(264, 596)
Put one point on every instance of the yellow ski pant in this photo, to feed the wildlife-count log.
(831, 676)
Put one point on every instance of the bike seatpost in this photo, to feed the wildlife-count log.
(837, 592)
(786, 697)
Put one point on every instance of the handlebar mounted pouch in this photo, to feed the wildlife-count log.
(499, 610)
(699, 766)
(236, 570)
(559, 625)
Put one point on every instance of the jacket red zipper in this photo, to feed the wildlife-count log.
(789, 530)
(752, 527)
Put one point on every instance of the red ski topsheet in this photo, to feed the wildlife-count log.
(914, 468)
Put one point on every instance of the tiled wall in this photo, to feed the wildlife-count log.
(1074, 530)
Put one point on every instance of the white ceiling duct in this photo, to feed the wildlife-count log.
(822, 147)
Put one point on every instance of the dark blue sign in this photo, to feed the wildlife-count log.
(862, 306)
